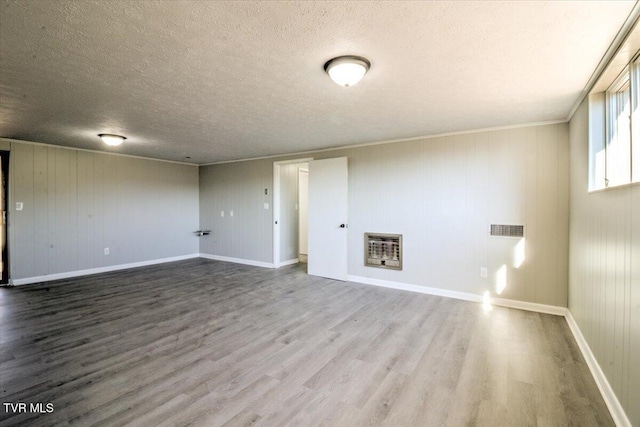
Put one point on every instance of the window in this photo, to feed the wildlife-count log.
(618, 124)
(614, 131)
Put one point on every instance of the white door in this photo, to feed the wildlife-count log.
(328, 197)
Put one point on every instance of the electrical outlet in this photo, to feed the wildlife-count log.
(266, 191)
(484, 272)
(19, 206)
(106, 251)
(266, 206)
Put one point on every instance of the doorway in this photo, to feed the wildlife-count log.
(319, 189)
(289, 212)
(4, 243)
(303, 214)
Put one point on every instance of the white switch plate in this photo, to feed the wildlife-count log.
(221, 213)
(484, 273)
(266, 205)
(230, 213)
(106, 251)
(19, 206)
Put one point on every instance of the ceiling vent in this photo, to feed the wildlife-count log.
(502, 230)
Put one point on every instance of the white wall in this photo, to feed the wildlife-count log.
(441, 194)
(604, 271)
(76, 203)
(238, 187)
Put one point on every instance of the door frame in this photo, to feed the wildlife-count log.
(276, 206)
(4, 280)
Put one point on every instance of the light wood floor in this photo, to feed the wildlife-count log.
(208, 343)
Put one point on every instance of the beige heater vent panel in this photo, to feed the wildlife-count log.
(503, 230)
(383, 250)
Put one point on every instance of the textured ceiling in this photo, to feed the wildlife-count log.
(218, 81)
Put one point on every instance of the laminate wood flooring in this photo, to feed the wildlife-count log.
(208, 343)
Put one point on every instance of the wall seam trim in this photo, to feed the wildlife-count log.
(615, 408)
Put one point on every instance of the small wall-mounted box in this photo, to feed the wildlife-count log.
(383, 250)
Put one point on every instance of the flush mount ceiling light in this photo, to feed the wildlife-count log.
(111, 139)
(347, 70)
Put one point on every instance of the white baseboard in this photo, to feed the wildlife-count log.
(615, 408)
(238, 260)
(89, 271)
(522, 305)
(289, 262)
(530, 306)
(414, 288)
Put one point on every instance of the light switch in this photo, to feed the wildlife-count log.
(484, 273)
(19, 206)
(230, 213)
(222, 213)
(266, 206)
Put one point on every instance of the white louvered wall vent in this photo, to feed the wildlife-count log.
(503, 230)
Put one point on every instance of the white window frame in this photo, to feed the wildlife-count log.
(614, 148)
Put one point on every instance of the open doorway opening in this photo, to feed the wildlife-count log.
(4, 244)
(326, 206)
(290, 211)
(303, 213)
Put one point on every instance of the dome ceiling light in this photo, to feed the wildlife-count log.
(112, 140)
(347, 70)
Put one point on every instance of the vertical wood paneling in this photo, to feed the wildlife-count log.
(99, 211)
(562, 266)
(85, 206)
(22, 224)
(249, 235)
(40, 260)
(633, 308)
(604, 287)
(77, 203)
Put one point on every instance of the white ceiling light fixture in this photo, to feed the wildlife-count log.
(347, 70)
(112, 140)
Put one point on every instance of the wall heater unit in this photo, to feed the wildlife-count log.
(383, 250)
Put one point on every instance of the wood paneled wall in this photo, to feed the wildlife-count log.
(441, 194)
(604, 273)
(76, 203)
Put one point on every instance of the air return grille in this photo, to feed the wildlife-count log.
(383, 250)
(503, 230)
